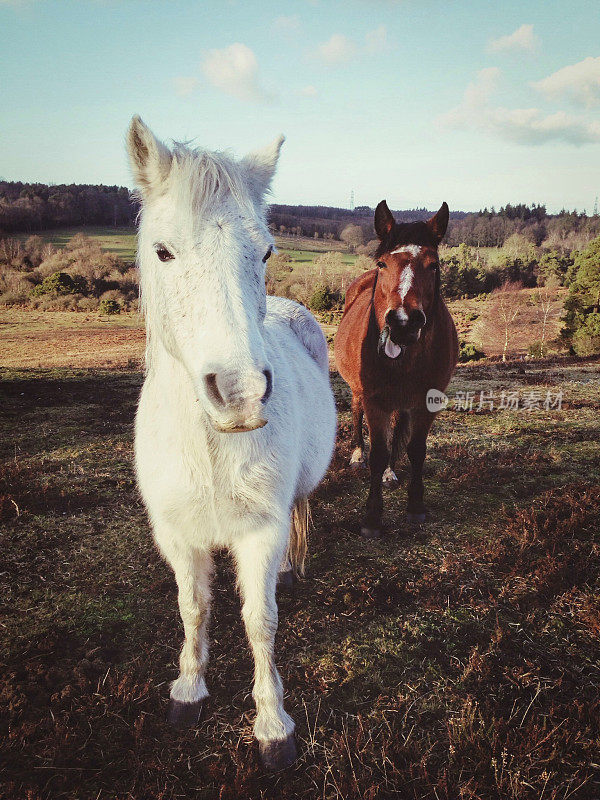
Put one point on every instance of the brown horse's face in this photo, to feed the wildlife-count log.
(408, 279)
(407, 285)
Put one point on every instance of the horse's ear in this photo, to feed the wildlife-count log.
(439, 222)
(150, 160)
(384, 220)
(260, 166)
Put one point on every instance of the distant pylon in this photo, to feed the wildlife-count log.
(596, 207)
(352, 200)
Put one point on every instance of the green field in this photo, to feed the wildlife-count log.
(455, 660)
(122, 242)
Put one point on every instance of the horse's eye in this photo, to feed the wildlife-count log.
(163, 253)
(267, 255)
(381, 264)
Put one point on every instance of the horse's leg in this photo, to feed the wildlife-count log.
(378, 422)
(285, 577)
(357, 459)
(416, 446)
(258, 555)
(397, 430)
(193, 570)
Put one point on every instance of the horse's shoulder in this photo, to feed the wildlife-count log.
(303, 324)
(363, 283)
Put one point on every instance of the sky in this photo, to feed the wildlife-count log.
(475, 102)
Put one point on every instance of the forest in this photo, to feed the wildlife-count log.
(29, 207)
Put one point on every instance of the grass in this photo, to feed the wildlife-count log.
(459, 659)
(122, 242)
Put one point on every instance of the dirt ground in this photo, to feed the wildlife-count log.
(70, 339)
(458, 659)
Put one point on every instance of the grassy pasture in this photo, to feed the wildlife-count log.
(122, 242)
(459, 659)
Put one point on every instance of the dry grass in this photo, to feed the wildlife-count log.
(456, 660)
(53, 339)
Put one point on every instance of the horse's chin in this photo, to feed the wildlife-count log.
(239, 427)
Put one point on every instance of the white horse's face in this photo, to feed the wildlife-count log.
(203, 246)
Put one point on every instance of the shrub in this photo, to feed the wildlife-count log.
(14, 298)
(586, 339)
(468, 352)
(582, 306)
(60, 283)
(537, 350)
(88, 304)
(322, 299)
(108, 306)
(64, 302)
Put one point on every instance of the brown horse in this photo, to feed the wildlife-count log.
(396, 341)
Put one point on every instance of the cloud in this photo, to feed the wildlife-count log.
(286, 26)
(522, 39)
(376, 40)
(234, 70)
(308, 91)
(339, 49)
(336, 50)
(579, 82)
(528, 126)
(184, 85)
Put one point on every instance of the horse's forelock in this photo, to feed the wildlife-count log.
(418, 233)
(208, 177)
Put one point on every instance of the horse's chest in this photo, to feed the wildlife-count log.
(243, 489)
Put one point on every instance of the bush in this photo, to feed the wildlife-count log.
(468, 352)
(537, 349)
(64, 302)
(108, 306)
(322, 299)
(88, 304)
(60, 283)
(586, 339)
(14, 298)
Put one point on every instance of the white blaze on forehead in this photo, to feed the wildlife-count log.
(413, 249)
(406, 281)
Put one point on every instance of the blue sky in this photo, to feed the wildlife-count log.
(473, 102)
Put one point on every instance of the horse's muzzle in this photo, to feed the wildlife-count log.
(236, 401)
(405, 328)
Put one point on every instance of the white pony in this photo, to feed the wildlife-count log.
(236, 420)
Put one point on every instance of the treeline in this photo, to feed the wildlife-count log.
(328, 222)
(566, 231)
(26, 207)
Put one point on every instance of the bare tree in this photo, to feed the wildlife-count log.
(502, 317)
(547, 306)
(352, 235)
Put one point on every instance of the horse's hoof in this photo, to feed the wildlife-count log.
(389, 480)
(357, 459)
(184, 715)
(286, 581)
(370, 533)
(279, 754)
(416, 518)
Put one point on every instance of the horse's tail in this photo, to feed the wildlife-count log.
(298, 545)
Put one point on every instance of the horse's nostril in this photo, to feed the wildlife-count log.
(269, 377)
(417, 319)
(212, 390)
